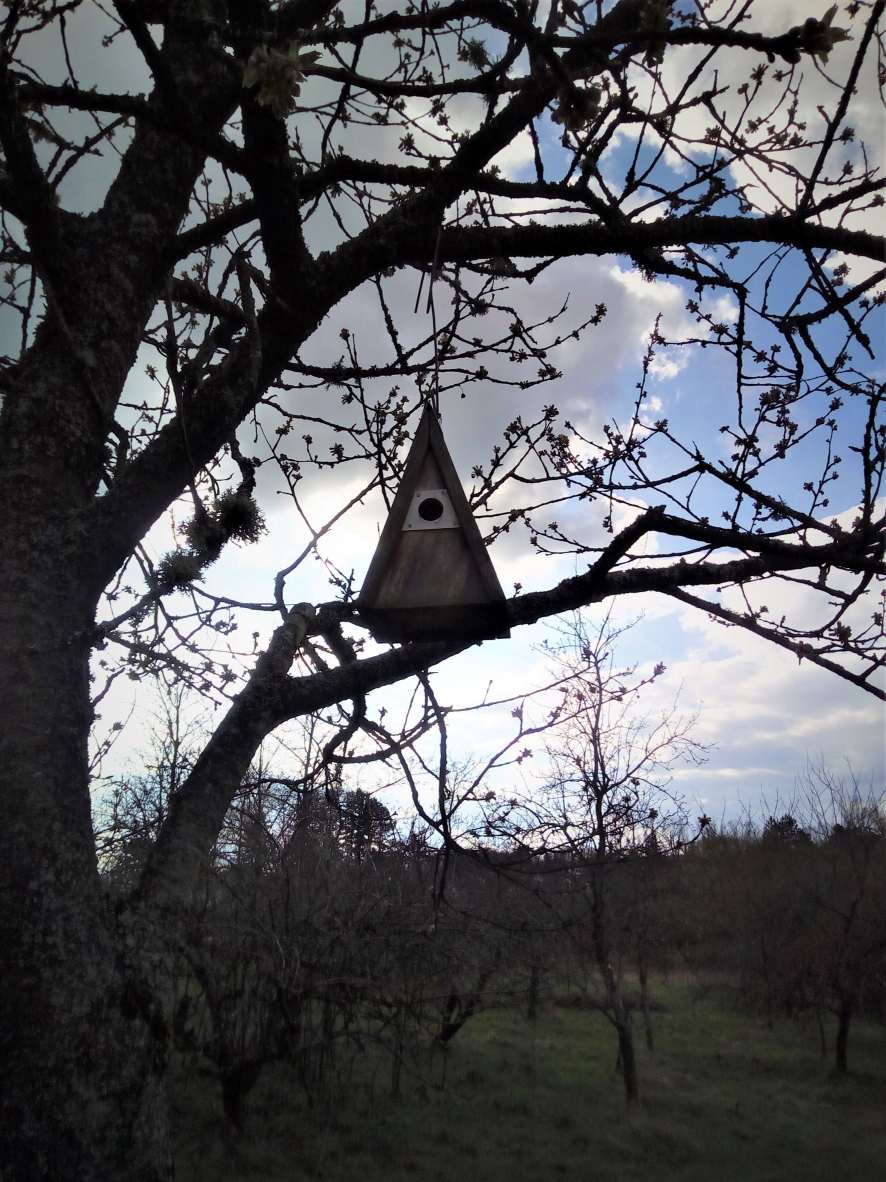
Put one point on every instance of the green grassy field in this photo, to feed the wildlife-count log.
(724, 1099)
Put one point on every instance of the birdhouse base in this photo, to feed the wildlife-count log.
(464, 621)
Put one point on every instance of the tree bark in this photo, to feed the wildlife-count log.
(643, 971)
(822, 1036)
(841, 1045)
(81, 1046)
(628, 1059)
(81, 1094)
(532, 997)
(81, 1089)
(615, 1006)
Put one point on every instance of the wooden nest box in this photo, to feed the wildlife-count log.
(431, 577)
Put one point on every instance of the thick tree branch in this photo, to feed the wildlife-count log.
(547, 241)
(588, 588)
(134, 19)
(344, 169)
(177, 122)
(27, 193)
(198, 809)
(194, 295)
(12, 198)
(621, 26)
(277, 200)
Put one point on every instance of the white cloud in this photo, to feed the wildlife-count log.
(664, 366)
(817, 93)
(660, 292)
(514, 158)
(725, 307)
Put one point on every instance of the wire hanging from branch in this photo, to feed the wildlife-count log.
(433, 397)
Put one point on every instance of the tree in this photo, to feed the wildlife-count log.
(607, 802)
(130, 813)
(201, 223)
(848, 954)
(784, 829)
(365, 825)
(794, 909)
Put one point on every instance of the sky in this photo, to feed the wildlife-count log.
(761, 713)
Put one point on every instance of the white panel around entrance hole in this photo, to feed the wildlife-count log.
(431, 508)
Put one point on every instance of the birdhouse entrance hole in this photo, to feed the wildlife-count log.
(430, 509)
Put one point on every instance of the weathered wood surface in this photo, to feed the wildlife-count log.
(431, 583)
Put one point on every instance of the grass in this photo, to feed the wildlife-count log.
(724, 1099)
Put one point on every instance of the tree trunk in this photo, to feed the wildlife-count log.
(456, 1012)
(628, 1060)
(644, 1005)
(81, 1085)
(844, 1018)
(616, 1009)
(237, 1081)
(532, 997)
(82, 1056)
(822, 1035)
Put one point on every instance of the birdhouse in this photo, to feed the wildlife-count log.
(431, 577)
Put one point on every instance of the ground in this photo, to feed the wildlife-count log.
(724, 1097)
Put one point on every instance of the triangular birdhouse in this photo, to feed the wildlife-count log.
(430, 577)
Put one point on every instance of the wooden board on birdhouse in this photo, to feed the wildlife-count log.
(431, 577)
